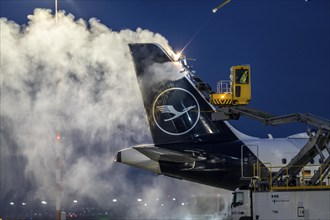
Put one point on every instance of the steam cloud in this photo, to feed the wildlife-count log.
(76, 78)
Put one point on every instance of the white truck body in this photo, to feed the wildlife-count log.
(273, 205)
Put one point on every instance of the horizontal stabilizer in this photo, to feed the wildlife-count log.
(162, 154)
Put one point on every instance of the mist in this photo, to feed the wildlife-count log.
(74, 78)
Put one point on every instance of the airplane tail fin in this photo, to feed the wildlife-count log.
(177, 111)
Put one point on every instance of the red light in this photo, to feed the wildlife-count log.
(58, 137)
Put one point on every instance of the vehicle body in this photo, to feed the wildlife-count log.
(273, 205)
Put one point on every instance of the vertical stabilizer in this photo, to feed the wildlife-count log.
(176, 110)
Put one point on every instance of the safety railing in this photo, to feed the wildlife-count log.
(223, 86)
(287, 182)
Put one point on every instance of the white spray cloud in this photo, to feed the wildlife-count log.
(76, 77)
(85, 74)
(164, 71)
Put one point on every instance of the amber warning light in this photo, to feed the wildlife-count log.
(58, 137)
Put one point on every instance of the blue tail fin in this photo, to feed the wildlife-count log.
(177, 111)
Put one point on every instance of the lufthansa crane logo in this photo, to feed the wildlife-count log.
(176, 111)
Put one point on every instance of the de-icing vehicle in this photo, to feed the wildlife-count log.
(236, 91)
(193, 139)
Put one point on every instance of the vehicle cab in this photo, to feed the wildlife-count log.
(241, 204)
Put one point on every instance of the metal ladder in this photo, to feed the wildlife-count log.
(316, 144)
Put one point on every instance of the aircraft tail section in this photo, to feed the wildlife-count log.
(177, 111)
